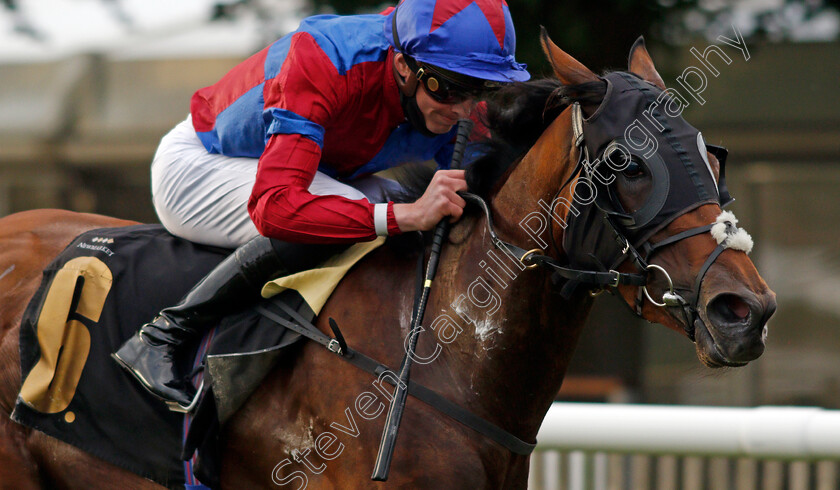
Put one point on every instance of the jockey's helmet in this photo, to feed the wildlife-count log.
(456, 48)
(471, 38)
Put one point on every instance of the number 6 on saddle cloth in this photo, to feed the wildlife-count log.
(93, 297)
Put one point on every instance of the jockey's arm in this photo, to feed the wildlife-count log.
(282, 207)
(302, 101)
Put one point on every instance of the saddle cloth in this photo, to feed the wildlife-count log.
(94, 296)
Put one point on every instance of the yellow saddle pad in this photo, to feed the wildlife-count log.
(316, 285)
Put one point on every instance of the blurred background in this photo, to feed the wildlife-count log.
(88, 87)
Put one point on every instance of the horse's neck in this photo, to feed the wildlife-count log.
(517, 334)
(517, 338)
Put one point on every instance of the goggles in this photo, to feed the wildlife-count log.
(448, 87)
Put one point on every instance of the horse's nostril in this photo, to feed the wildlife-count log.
(729, 308)
(737, 306)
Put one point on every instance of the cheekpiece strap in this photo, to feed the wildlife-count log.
(610, 278)
(577, 124)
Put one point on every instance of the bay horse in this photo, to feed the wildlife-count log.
(499, 337)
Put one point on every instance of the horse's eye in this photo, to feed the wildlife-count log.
(617, 160)
(634, 170)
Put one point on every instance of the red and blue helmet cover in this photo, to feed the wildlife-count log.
(470, 37)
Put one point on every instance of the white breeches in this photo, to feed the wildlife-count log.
(203, 197)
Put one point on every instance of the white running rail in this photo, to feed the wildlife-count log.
(585, 446)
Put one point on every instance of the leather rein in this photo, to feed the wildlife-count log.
(338, 346)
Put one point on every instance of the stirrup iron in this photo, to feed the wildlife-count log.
(174, 406)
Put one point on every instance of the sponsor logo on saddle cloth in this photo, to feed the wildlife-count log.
(316, 285)
(98, 244)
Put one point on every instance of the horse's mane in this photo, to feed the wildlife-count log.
(516, 116)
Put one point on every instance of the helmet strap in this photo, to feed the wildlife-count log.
(408, 100)
(414, 115)
(407, 86)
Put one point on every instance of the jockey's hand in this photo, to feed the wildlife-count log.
(439, 200)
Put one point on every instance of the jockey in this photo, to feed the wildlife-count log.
(276, 158)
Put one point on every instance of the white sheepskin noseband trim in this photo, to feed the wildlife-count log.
(727, 234)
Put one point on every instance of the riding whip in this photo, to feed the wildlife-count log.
(392, 423)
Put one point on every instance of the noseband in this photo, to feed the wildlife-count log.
(639, 254)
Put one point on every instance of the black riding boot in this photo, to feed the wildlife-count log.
(235, 283)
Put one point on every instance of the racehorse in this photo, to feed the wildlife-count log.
(499, 333)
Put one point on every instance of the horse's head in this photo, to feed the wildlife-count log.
(643, 207)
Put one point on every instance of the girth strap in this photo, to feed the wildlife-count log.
(422, 393)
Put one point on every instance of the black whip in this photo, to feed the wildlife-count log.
(392, 423)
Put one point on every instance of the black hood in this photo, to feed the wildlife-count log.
(677, 163)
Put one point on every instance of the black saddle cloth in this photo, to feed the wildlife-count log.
(104, 411)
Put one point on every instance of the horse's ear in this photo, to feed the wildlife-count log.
(641, 63)
(569, 70)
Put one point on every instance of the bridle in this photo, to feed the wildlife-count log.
(609, 278)
(529, 259)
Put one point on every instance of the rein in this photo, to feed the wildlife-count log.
(339, 347)
(531, 258)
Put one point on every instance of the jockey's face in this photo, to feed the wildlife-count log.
(439, 117)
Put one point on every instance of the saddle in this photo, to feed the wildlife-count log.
(96, 294)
